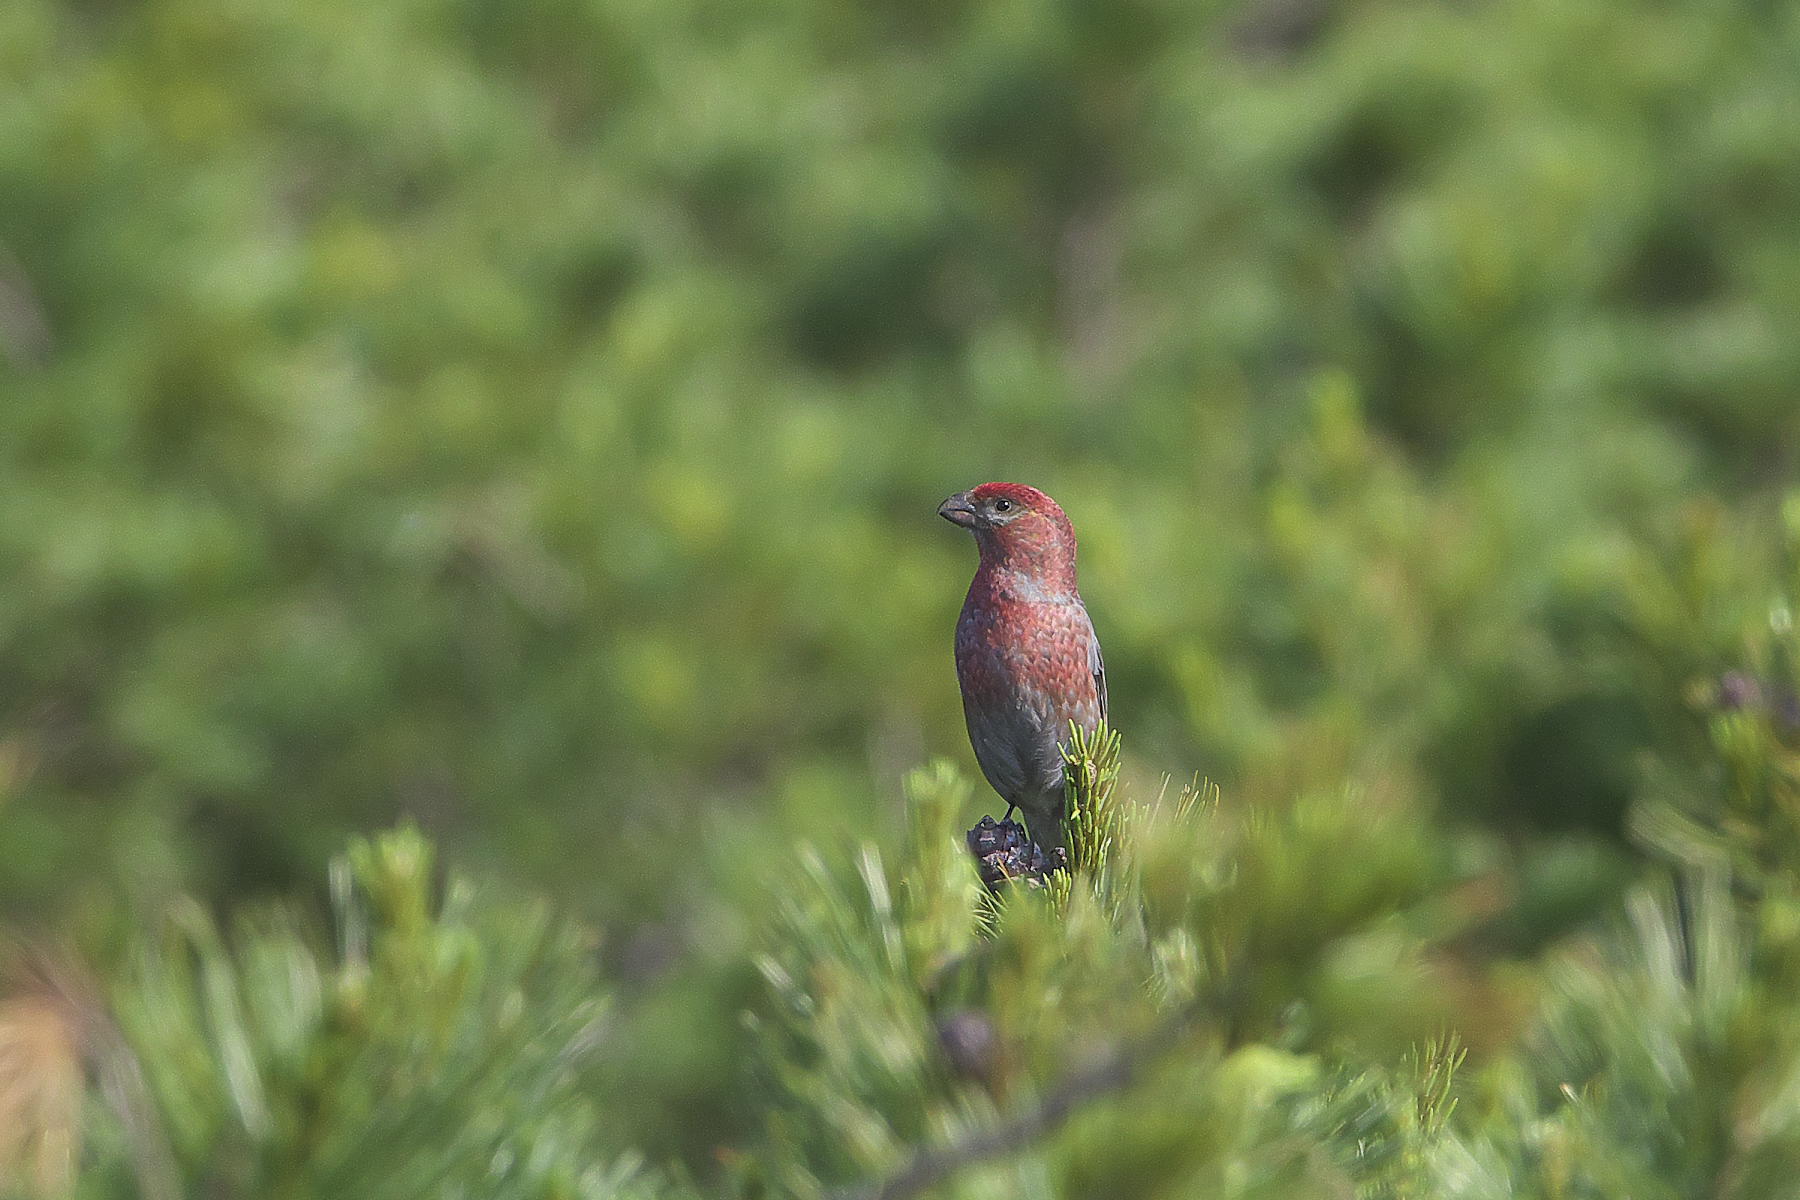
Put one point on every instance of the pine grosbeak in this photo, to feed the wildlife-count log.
(1026, 654)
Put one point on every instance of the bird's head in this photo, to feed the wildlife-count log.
(1017, 528)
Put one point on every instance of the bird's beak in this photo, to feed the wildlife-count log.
(958, 511)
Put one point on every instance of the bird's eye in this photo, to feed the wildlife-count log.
(1003, 505)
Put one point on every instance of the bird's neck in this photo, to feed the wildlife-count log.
(1036, 582)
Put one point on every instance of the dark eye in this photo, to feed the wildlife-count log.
(1003, 505)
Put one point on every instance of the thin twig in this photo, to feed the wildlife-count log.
(1114, 1072)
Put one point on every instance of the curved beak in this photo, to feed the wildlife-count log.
(958, 511)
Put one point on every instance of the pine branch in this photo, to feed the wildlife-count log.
(1114, 1072)
(1091, 769)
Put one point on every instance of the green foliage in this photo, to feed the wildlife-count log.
(1663, 1061)
(438, 1047)
(1259, 989)
(525, 419)
(1230, 1000)
(899, 1024)
(399, 396)
(1091, 771)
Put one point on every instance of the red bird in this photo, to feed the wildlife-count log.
(1026, 654)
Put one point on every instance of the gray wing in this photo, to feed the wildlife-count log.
(997, 737)
(1096, 663)
(1099, 666)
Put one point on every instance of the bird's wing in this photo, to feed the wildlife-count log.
(1096, 664)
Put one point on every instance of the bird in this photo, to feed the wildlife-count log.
(1027, 658)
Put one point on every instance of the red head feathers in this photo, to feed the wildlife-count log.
(1020, 530)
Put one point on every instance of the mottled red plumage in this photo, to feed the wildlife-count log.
(1026, 654)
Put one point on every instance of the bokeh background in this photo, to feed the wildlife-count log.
(527, 419)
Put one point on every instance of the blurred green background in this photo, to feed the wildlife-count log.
(528, 418)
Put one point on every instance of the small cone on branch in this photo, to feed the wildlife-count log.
(1004, 851)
